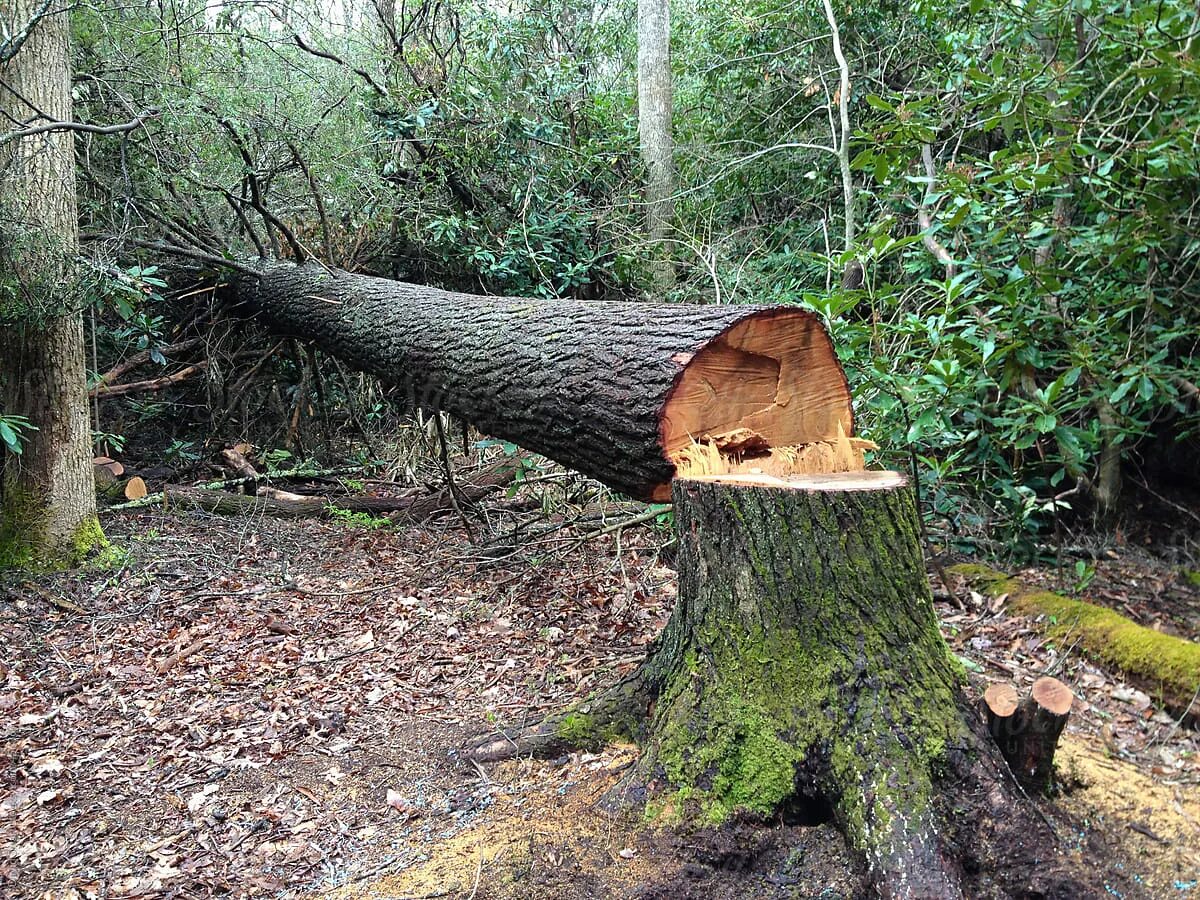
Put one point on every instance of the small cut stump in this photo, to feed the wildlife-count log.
(1027, 731)
(802, 668)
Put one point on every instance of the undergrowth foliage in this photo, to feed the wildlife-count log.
(1024, 182)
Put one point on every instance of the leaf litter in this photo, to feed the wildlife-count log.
(254, 707)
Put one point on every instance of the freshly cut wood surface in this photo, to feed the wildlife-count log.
(1053, 696)
(831, 481)
(1002, 699)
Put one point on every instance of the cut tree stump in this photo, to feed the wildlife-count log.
(622, 392)
(1027, 732)
(802, 668)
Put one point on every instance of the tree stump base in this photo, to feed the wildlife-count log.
(803, 665)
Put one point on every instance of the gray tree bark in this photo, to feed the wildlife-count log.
(47, 494)
(654, 127)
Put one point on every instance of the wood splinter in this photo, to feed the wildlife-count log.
(1027, 731)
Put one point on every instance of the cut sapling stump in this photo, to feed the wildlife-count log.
(1027, 732)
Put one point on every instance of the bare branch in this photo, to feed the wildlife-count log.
(332, 57)
(843, 144)
(123, 128)
(188, 253)
(925, 216)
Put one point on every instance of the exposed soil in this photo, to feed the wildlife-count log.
(264, 708)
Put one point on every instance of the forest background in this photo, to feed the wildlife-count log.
(991, 205)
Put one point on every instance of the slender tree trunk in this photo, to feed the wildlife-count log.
(654, 126)
(48, 499)
(852, 274)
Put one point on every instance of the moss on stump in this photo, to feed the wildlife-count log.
(803, 663)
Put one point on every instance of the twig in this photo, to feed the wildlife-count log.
(210, 258)
(452, 488)
(175, 659)
(103, 391)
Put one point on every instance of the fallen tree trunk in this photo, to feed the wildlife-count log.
(410, 508)
(615, 390)
(802, 668)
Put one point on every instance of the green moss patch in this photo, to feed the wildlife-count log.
(24, 543)
(1164, 665)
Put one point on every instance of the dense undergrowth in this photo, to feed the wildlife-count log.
(1020, 328)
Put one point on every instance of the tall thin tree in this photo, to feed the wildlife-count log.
(654, 127)
(47, 493)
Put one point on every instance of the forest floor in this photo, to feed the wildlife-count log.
(244, 707)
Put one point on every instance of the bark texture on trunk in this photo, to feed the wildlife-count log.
(654, 128)
(802, 668)
(47, 497)
(804, 661)
(610, 389)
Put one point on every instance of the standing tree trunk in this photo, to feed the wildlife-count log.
(47, 494)
(654, 127)
(803, 667)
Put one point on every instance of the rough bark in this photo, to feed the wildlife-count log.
(654, 129)
(47, 497)
(595, 386)
(803, 667)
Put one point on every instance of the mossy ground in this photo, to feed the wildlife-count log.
(1165, 665)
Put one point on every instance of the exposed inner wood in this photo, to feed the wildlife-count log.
(1002, 700)
(873, 480)
(1053, 696)
(747, 452)
(775, 376)
(766, 400)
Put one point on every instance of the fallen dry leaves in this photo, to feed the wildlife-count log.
(247, 706)
(264, 707)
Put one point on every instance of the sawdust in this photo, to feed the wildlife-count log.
(1153, 824)
(540, 829)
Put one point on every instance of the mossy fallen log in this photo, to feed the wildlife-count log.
(1165, 666)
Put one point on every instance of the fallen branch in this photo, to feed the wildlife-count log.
(175, 659)
(104, 391)
(282, 504)
(221, 483)
(140, 359)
